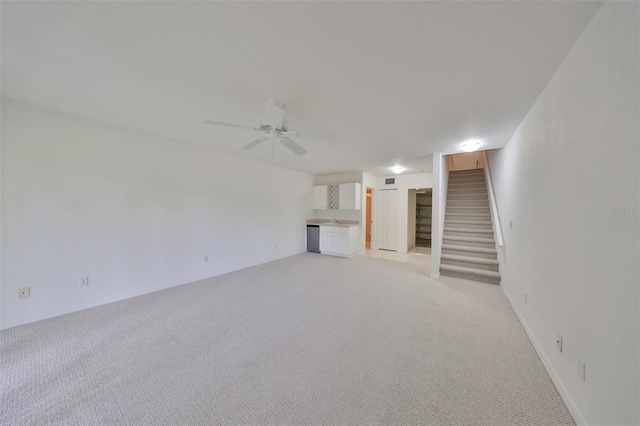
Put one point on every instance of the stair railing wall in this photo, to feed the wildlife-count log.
(438, 208)
(493, 205)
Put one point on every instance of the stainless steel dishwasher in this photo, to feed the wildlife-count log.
(313, 238)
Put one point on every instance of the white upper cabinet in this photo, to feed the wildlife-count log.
(350, 196)
(319, 197)
(345, 196)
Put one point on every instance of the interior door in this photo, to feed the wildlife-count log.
(388, 219)
(392, 239)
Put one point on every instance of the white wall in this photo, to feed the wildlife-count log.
(440, 184)
(569, 181)
(403, 183)
(338, 178)
(134, 212)
(466, 161)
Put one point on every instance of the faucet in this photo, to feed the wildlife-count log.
(332, 220)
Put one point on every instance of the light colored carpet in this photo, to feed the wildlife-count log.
(310, 339)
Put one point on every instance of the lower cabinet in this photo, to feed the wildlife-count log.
(339, 240)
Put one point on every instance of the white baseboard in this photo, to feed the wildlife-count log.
(435, 276)
(562, 390)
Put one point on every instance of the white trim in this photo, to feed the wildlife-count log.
(495, 217)
(562, 390)
(435, 276)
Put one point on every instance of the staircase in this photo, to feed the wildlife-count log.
(468, 246)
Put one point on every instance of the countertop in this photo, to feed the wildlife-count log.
(340, 223)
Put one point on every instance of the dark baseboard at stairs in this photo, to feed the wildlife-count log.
(468, 246)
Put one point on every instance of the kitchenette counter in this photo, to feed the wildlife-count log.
(338, 223)
(335, 238)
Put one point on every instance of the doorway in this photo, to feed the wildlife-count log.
(369, 218)
(424, 205)
(419, 220)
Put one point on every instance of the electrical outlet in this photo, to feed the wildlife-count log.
(582, 369)
(24, 292)
(84, 281)
(206, 258)
(559, 343)
(511, 224)
(275, 246)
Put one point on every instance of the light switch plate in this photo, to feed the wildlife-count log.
(582, 369)
(559, 343)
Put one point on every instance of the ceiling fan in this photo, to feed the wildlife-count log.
(275, 128)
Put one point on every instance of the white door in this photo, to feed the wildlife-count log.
(383, 219)
(388, 223)
(392, 242)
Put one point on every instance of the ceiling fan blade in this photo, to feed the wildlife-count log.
(293, 146)
(274, 112)
(240, 126)
(311, 133)
(256, 142)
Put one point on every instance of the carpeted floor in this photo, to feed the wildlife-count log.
(310, 339)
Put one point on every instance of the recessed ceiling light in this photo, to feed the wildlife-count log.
(397, 169)
(471, 145)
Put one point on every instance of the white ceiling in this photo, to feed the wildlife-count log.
(397, 81)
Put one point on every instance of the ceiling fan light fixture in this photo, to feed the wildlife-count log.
(471, 145)
(397, 169)
(274, 127)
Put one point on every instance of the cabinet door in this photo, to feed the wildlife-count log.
(326, 242)
(341, 243)
(349, 196)
(319, 197)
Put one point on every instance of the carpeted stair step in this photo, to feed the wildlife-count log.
(468, 203)
(473, 195)
(459, 174)
(457, 188)
(468, 232)
(470, 224)
(468, 181)
(474, 187)
(468, 195)
(470, 176)
(462, 250)
(470, 241)
(467, 216)
(470, 262)
(490, 277)
(467, 191)
(476, 183)
(468, 209)
(454, 176)
(456, 199)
